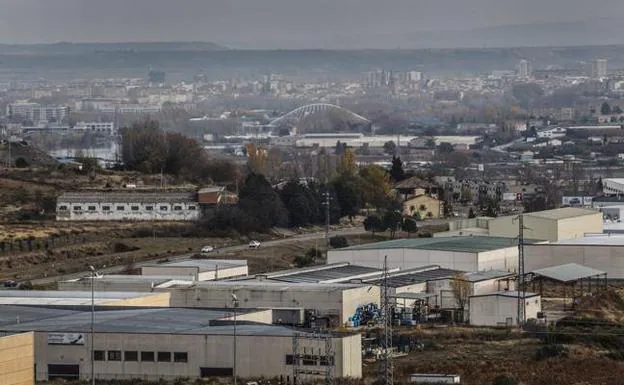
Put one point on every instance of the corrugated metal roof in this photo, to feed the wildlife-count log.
(141, 321)
(462, 244)
(204, 264)
(341, 272)
(568, 272)
(403, 278)
(487, 275)
(127, 197)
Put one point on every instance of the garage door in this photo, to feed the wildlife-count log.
(67, 372)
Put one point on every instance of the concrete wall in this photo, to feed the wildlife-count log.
(547, 229)
(105, 285)
(502, 259)
(151, 300)
(257, 355)
(188, 211)
(494, 310)
(608, 258)
(189, 271)
(259, 316)
(406, 258)
(17, 359)
(340, 303)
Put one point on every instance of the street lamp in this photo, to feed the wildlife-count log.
(235, 305)
(94, 274)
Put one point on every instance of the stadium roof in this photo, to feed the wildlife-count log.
(470, 244)
(568, 273)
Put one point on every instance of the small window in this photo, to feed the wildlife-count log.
(147, 356)
(180, 357)
(63, 208)
(77, 208)
(177, 208)
(192, 208)
(163, 208)
(92, 208)
(114, 355)
(149, 208)
(131, 356)
(134, 208)
(164, 356)
(105, 208)
(98, 355)
(120, 208)
(290, 359)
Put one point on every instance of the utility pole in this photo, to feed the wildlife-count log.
(94, 275)
(327, 204)
(234, 373)
(520, 289)
(386, 369)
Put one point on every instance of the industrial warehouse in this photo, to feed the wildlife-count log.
(145, 343)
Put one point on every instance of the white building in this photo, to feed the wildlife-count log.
(524, 69)
(552, 132)
(613, 186)
(599, 68)
(501, 308)
(37, 113)
(460, 253)
(96, 127)
(127, 206)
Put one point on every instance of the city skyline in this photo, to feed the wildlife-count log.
(270, 24)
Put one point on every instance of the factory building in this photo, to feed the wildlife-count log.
(199, 269)
(550, 225)
(83, 298)
(501, 308)
(17, 359)
(132, 283)
(603, 252)
(342, 272)
(146, 344)
(127, 206)
(334, 302)
(458, 253)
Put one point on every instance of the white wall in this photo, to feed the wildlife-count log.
(406, 258)
(191, 271)
(608, 258)
(494, 310)
(501, 259)
(188, 211)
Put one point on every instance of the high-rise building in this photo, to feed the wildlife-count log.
(37, 113)
(524, 69)
(599, 68)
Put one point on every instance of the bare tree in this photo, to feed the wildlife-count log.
(460, 287)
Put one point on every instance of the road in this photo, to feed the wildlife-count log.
(182, 257)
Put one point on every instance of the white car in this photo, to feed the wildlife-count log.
(254, 244)
(207, 249)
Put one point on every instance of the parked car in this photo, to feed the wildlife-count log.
(254, 244)
(207, 249)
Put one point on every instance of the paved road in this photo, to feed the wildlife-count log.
(277, 242)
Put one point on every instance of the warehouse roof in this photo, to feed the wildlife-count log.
(269, 285)
(123, 279)
(599, 239)
(204, 264)
(507, 294)
(479, 276)
(127, 197)
(563, 213)
(338, 273)
(462, 244)
(414, 276)
(138, 321)
(64, 298)
(568, 273)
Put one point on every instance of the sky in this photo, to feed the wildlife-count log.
(282, 23)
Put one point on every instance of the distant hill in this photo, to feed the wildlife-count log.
(83, 48)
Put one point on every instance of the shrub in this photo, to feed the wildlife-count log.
(550, 351)
(21, 162)
(338, 242)
(505, 379)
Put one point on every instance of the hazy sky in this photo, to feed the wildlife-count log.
(276, 23)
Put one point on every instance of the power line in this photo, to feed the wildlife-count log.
(386, 374)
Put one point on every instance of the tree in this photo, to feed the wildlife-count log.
(347, 162)
(397, 172)
(616, 110)
(390, 148)
(505, 379)
(144, 147)
(308, 259)
(392, 220)
(460, 287)
(257, 159)
(410, 226)
(374, 224)
(303, 207)
(338, 242)
(349, 197)
(375, 186)
(605, 109)
(445, 148)
(261, 203)
(471, 213)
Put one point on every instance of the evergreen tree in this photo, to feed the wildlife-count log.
(397, 172)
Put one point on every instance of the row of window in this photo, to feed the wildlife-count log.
(133, 356)
(123, 208)
(311, 360)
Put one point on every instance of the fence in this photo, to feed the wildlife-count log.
(11, 247)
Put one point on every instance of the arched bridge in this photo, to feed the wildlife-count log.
(293, 117)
